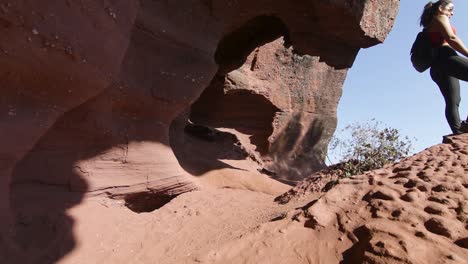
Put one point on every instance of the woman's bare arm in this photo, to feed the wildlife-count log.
(447, 31)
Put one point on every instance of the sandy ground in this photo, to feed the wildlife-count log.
(183, 231)
(415, 211)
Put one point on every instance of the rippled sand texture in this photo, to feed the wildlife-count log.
(411, 212)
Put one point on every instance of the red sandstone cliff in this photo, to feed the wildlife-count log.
(90, 90)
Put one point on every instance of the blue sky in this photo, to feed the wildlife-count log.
(383, 85)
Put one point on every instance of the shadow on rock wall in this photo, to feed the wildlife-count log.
(234, 48)
(249, 113)
(93, 148)
(287, 165)
(201, 150)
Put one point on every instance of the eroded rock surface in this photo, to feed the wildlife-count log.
(90, 88)
(285, 102)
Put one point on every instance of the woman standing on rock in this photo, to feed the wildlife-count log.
(448, 68)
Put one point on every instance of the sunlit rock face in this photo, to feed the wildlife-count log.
(91, 88)
(284, 102)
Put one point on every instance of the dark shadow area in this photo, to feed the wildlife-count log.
(287, 140)
(44, 186)
(356, 253)
(48, 181)
(43, 230)
(249, 113)
(311, 223)
(279, 217)
(234, 48)
(200, 131)
(463, 242)
(295, 154)
(242, 110)
(200, 149)
(308, 205)
(144, 202)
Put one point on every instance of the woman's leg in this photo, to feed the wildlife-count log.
(457, 67)
(450, 88)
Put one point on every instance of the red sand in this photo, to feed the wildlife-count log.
(411, 212)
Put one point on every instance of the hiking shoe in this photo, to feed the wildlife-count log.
(464, 127)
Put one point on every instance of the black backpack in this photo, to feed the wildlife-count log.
(422, 53)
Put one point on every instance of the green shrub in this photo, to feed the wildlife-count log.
(361, 147)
